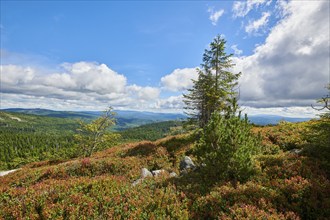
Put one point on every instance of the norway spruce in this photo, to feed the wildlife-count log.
(226, 146)
(215, 87)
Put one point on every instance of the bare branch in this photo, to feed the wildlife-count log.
(325, 101)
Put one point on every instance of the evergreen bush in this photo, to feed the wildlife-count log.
(227, 147)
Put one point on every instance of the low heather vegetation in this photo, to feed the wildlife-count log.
(285, 184)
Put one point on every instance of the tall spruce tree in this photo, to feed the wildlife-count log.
(215, 87)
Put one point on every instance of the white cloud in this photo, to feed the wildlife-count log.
(143, 93)
(16, 75)
(242, 8)
(95, 77)
(82, 77)
(292, 67)
(255, 26)
(172, 102)
(179, 79)
(215, 15)
(86, 84)
(295, 112)
(236, 50)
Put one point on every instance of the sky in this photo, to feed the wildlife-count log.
(143, 55)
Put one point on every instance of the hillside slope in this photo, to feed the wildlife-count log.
(36, 123)
(287, 185)
(29, 138)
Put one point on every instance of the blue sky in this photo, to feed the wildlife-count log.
(142, 55)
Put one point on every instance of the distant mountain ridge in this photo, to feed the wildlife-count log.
(125, 119)
(273, 119)
(129, 118)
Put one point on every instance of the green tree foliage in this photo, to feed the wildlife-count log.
(28, 138)
(215, 86)
(227, 146)
(95, 135)
(152, 131)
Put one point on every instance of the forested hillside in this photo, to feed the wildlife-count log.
(291, 181)
(152, 131)
(29, 138)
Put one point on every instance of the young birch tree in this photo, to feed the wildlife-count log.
(95, 135)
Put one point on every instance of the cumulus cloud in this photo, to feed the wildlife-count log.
(82, 77)
(242, 8)
(179, 79)
(255, 26)
(172, 102)
(143, 93)
(95, 77)
(215, 15)
(236, 50)
(16, 75)
(292, 67)
(81, 83)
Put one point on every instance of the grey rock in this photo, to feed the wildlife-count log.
(145, 173)
(3, 173)
(157, 172)
(136, 182)
(186, 163)
(173, 174)
(296, 151)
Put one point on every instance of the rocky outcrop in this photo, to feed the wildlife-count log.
(186, 164)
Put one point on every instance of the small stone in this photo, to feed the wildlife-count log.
(157, 172)
(187, 163)
(173, 174)
(296, 151)
(136, 182)
(145, 173)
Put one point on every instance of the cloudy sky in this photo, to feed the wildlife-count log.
(142, 55)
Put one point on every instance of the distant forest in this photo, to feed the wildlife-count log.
(29, 138)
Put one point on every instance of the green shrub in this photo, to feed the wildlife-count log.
(227, 147)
